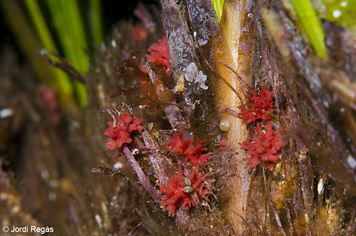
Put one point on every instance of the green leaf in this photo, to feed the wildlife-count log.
(311, 24)
(218, 6)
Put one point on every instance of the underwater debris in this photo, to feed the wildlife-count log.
(192, 75)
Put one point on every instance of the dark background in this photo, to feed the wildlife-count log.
(112, 12)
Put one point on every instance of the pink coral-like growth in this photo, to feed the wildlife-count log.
(160, 54)
(119, 131)
(264, 146)
(173, 194)
(260, 106)
(184, 147)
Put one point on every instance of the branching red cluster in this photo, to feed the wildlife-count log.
(184, 146)
(160, 54)
(189, 189)
(120, 130)
(179, 193)
(264, 146)
(260, 106)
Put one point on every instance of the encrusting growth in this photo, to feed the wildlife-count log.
(184, 146)
(190, 185)
(265, 142)
(120, 130)
(264, 146)
(160, 54)
(174, 194)
(260, 106)
(177, 192)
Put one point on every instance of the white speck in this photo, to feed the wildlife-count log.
(52, 196)
(344, 3)
(326, 104)
(43, 52)
(113, 43)
(336, 13)
(195, 34)
(351, 161)
(3, 196)
(135, 151)
(321, 186)
(7, 112)
(74, 125)
(245, 185)
(98, 220)
(306, 217)
(342, 109)
(44, 174)
(16, 209)
(118, 165)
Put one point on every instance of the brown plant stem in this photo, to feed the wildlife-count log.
(230, 94)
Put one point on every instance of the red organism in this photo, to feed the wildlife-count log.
(264, 146)
(139, 34)
(179, 193)
(119, 131)
(200, 182)
(260, 106)
(173, 194)
(46, 99)
(160, 54)
(223, 144)
(184, 146)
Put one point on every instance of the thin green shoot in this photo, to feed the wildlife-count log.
(218, 7)
(70, 30)
(96, 22)
(311, 25)
(63, 85)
